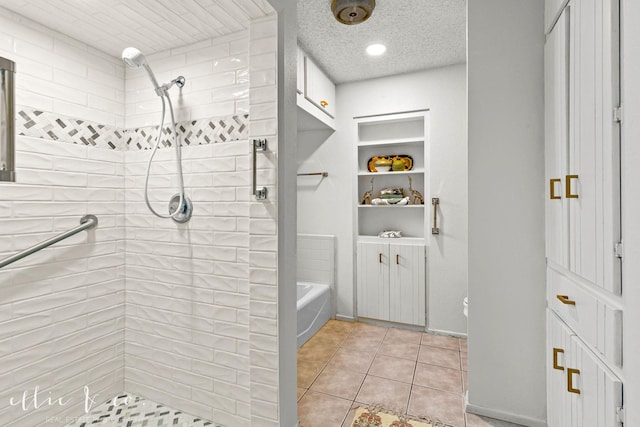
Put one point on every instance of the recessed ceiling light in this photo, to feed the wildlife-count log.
(376, 49)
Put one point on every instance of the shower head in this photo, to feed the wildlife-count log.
(135, 59)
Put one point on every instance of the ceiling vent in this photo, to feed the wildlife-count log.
(351, 12)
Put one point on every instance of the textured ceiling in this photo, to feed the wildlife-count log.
(419, 34)
(149, 25)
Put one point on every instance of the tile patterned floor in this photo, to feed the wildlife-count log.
(134, 411)
(346, 365)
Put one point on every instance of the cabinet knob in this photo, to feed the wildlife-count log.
(552, 188)
(567, 184)
(570, 373)
(557, 366)
(324, 103)
(565, 299)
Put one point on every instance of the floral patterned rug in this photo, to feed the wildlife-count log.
(377, 417)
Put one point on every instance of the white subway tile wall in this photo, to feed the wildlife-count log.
(263, 233)
(62, 321)
(181, 314)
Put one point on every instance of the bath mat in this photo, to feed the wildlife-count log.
(377, 417)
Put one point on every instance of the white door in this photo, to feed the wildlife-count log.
(319, 89)
(373, 280)
(597, 392)
(557, 140)
(593, 175)
(407, 284)
(558, 353)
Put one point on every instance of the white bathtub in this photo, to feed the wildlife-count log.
(314, 309)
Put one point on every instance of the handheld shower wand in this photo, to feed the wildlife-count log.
(180, 206)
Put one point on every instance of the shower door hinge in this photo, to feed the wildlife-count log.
(617, 114)
(620, 414)
(618, 249)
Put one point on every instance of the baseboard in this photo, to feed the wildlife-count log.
(504, 416)
(447, 333)
(345, 318)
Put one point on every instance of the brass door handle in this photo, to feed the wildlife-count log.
(324, 103)
(570, 388)
(567, 184)
(557, 351)
(380, 258)
(435, 201)
(397, 259)
(565, 299)
(552, 188)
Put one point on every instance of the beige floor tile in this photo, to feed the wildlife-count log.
(316, 351)
(478, 421)
(301, 392)
(356, 361)
(465, 381)
(392, 395)
(452, 343)
(321, 410)
(401, 350)
(439, 404)
(439, 356)
(362, 343)
(438, 377)
(404, 336)
(360, 329)
(338, 382)
(463, 345)
(464, 360)
(307, 373)
(393, 368)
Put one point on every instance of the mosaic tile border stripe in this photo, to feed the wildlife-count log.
(127, 410)
(50, 126)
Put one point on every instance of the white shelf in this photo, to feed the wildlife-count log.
(391, 142)
(391, 206)
(409, 172)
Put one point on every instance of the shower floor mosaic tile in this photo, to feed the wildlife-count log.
(135, 411)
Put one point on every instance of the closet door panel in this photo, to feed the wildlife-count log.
(373, 280)
(407, 284)
(557, 140)
(558, 353)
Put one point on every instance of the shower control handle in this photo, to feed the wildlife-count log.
(260, 193)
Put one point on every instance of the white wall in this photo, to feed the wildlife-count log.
(62, 309)
(631, 206)
(327, 206)
(506, 210)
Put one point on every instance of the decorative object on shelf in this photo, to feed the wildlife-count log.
(392, 201)
(366, 197)
(395, 234)
(416, 198)
(385, 163)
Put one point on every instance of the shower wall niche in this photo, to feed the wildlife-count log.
(181, 314)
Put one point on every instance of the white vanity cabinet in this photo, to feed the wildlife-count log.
(391, 283)
(582, 208)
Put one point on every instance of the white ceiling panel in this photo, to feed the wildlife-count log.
(418, 34)
(150, 25)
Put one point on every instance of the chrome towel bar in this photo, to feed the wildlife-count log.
(324, 174)
(87, 222)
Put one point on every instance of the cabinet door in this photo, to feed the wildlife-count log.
(319, 89)
(373, 280)
(594, 143)
(559, 412)
(407, 284)
(557, 140)
(600, 391)
(300, 73)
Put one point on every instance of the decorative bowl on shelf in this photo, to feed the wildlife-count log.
(386, 163)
